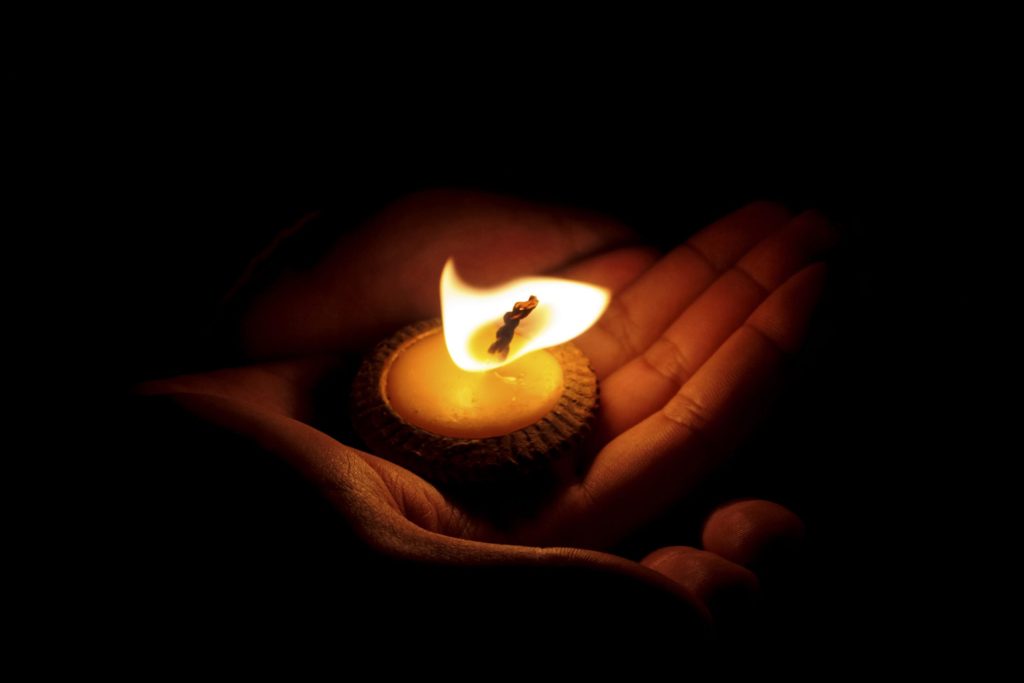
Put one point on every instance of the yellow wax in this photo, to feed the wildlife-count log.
(428, 390)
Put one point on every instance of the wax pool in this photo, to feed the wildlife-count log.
(429, 391)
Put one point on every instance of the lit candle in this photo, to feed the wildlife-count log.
(427, 389)
(492, 390)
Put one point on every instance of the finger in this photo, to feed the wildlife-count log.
(644, 384)
(642, 471)
(638, 315)
(757, 534)
(587, 585)
(725, 589)
(615, 269)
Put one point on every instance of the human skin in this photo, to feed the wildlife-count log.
(692, 345)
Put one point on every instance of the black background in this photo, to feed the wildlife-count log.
(174, 195)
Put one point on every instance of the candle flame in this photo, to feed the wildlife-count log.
(472, 316)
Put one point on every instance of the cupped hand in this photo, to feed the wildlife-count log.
(690, 348)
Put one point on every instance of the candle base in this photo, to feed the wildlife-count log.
(451, 460)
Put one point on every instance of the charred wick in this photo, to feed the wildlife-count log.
(504, 335)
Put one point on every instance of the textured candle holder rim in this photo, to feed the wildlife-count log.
(449, 460)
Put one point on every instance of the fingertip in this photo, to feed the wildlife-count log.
(727, 239)
(614, 269)
(812, 280)
(727, 591)
(754, 533)
(785, 315)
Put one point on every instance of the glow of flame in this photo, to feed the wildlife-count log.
(471, 316)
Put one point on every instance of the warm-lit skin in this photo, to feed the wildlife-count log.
(693, 342)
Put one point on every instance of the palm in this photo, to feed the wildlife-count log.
(689, 346)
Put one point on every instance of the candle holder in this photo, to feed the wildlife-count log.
(452, 460)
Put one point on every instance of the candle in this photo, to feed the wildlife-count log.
(494, 391)
(427, 389)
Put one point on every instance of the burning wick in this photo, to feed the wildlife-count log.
(430, 399)
(504, 335)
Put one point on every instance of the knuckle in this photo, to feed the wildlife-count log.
(686, 411)
(667, 359)
(617, 323)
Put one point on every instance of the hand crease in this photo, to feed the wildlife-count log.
(703, 257)
(774, 344)
(762, 289)
(619, 317)
(678, 371)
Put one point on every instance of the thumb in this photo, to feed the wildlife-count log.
(309, 530)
